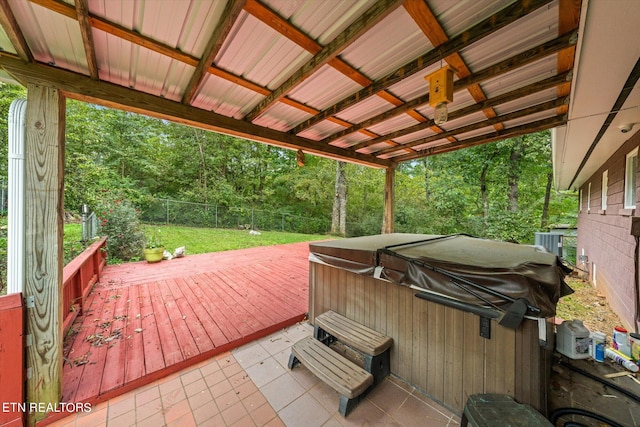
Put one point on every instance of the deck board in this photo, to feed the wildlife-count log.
(168, 315)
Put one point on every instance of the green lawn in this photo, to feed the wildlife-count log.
(196, 240)
(202, 240)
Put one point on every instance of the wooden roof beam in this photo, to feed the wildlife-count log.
(481, 106)
(81, 87)
(360, 26)
(491, 137)
(488, 26)
(11, 27)
(228, 18)
(426, 20)
(523, 58)
(492, 121)
(82, 11)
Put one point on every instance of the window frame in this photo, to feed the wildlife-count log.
(605, 189)
(630, 175)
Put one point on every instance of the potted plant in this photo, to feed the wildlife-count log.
(153, 248)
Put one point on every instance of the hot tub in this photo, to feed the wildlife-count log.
(446, 342)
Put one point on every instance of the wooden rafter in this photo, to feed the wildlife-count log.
(11, 28)
(228, 18)
(479, 125)
(488, 26)
(545, 49)
(360, 26)
(488, 103)
(483, 139)
(78, 86)
(82, 10)
(568, 19)
(426, 20)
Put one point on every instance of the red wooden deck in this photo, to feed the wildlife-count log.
(144, 321)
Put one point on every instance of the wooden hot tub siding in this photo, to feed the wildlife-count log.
(436, 348)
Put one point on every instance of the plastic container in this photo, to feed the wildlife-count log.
(618, 358)
(573, 339)
(619, 337)
(634, 343)
(597, 345)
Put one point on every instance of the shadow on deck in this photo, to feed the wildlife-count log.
(144, 321)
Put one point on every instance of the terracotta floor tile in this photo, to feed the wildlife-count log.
(245, 389)
(195, 387)
(205, 413)
(366, 413)
(169, 386)
(246, 421)
(215, 421)
(227, 400)
(232, 369)
(304, 411)
(234, 413)
(172, 398)
(415, 412)
(209, 367)
(148, 409)
(239, 378)
(92, 419)
(177, 411)
(214, 378)
(335, 421)
(388, 396)
(220, 388)
(184, 421)
(276, 422)
(147, 395)
(126, 419)
(118, 408)
(199, 399)
(263, 414)
(155, 420)
(254, 400)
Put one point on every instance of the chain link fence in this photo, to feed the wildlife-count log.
(167, 211)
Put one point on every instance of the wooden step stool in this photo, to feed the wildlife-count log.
(344, 376)
(374, 346)
(495, 410)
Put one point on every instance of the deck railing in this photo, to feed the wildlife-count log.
(78, 278)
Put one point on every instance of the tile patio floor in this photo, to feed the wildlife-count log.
(252, 386)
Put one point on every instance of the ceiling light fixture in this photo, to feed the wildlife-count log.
(440, 93)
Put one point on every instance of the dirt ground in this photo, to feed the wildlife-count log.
(589, 306)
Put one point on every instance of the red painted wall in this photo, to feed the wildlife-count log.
(605, 236)
(11, 359)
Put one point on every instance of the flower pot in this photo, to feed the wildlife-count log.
(153, 254)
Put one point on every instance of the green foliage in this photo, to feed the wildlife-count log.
(120, 223)
(153, 240)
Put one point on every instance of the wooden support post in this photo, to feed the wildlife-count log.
(389, 200)
(44, 171)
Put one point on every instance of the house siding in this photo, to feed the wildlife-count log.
(604, 237)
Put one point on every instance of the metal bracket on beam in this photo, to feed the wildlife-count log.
(31, 301)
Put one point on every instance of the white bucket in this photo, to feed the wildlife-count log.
(573, 339)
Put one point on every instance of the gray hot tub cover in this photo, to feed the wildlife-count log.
(517, 271)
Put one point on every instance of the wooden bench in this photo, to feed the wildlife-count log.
(344, 376)
(490, 410)
(374, 346)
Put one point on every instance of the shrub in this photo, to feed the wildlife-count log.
(120, 222)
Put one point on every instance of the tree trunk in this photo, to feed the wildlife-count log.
(514, 172)
(547, 197)
(483, 191)
(339, 217)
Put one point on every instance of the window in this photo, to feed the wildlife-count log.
(589, 198)
(605, 185)
(580, 200)
(630, 172)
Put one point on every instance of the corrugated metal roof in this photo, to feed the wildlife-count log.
(342, 72)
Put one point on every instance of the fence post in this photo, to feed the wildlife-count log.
(216, 223)
(167, 220)
(85, 231)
